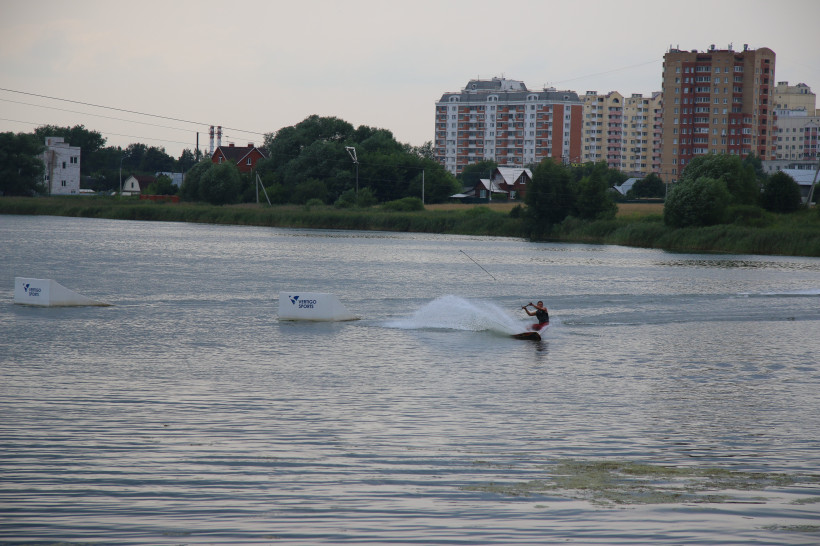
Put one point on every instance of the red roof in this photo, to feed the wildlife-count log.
(239, 155)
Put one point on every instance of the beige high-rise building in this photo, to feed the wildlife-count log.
(622, 131)
(718, 101)
(795, 97)
(603, 128)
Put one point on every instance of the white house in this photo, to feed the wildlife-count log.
(62, 162)
(136, 184)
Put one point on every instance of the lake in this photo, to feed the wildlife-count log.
(673, 399)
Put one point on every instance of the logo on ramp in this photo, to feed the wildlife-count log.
(293, 299)
(31, 291)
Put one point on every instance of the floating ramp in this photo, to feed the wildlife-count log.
(49, 293)
(316, 306)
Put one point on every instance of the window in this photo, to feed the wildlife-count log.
(248, 162)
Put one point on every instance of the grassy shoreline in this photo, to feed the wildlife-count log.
(638, 225)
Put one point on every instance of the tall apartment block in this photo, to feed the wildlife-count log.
(625, 132)
(798, 128)
(717, 101)
(503, 121)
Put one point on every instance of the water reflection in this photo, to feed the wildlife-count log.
(188, 412)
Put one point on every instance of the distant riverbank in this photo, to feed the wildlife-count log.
(637, 224)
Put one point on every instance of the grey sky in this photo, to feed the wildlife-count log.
(258, 66)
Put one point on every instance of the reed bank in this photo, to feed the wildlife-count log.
(640, 225)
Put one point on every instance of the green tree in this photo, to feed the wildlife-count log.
(439, 183)
(756, 164)
(781, 194)
(156, 160)
(740, 179)
(694, 203)
(220, 185)
(425, 151)
(647, 187)
(593, 200)
(316, 149)
(133, 156)
(287, 144)
(185, 161)
(163, 185)
(21, 168)
(278, 194)
(189, 191)
(309, 189)
(549, 198)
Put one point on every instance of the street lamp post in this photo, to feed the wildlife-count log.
(123, 157)
(352, 151)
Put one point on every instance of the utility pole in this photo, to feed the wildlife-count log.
(811, 190)
(352, 151)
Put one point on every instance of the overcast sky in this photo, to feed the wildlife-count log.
(256, 66)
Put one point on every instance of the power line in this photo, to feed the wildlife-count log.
(609, 71)
(106, 133)
(95, 115)
(125, 110)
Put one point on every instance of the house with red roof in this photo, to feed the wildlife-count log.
(504, 182)
(245, 157)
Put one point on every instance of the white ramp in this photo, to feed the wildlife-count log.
(48, 293)
(312, 306)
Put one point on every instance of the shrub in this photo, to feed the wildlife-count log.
(747, 215)
(367, 198)
(478, 211)
(308, 190)
(314, 202)
(346, 200)
(406, 204)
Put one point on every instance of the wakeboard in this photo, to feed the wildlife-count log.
(533, 336)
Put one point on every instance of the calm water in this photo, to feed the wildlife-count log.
(674, 400)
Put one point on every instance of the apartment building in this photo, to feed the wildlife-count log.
(502, 120)
(795, 97)
(622, 131)
(797, 128)
(716, 101)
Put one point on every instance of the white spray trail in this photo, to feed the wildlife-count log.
(456, 313)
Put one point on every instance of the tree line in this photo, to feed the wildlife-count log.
(713, 189)
(314, 162)
(100, 165)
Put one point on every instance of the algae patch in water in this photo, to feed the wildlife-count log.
(794, 528)
(618, 482)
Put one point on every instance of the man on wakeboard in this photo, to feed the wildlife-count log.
(539, 313)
